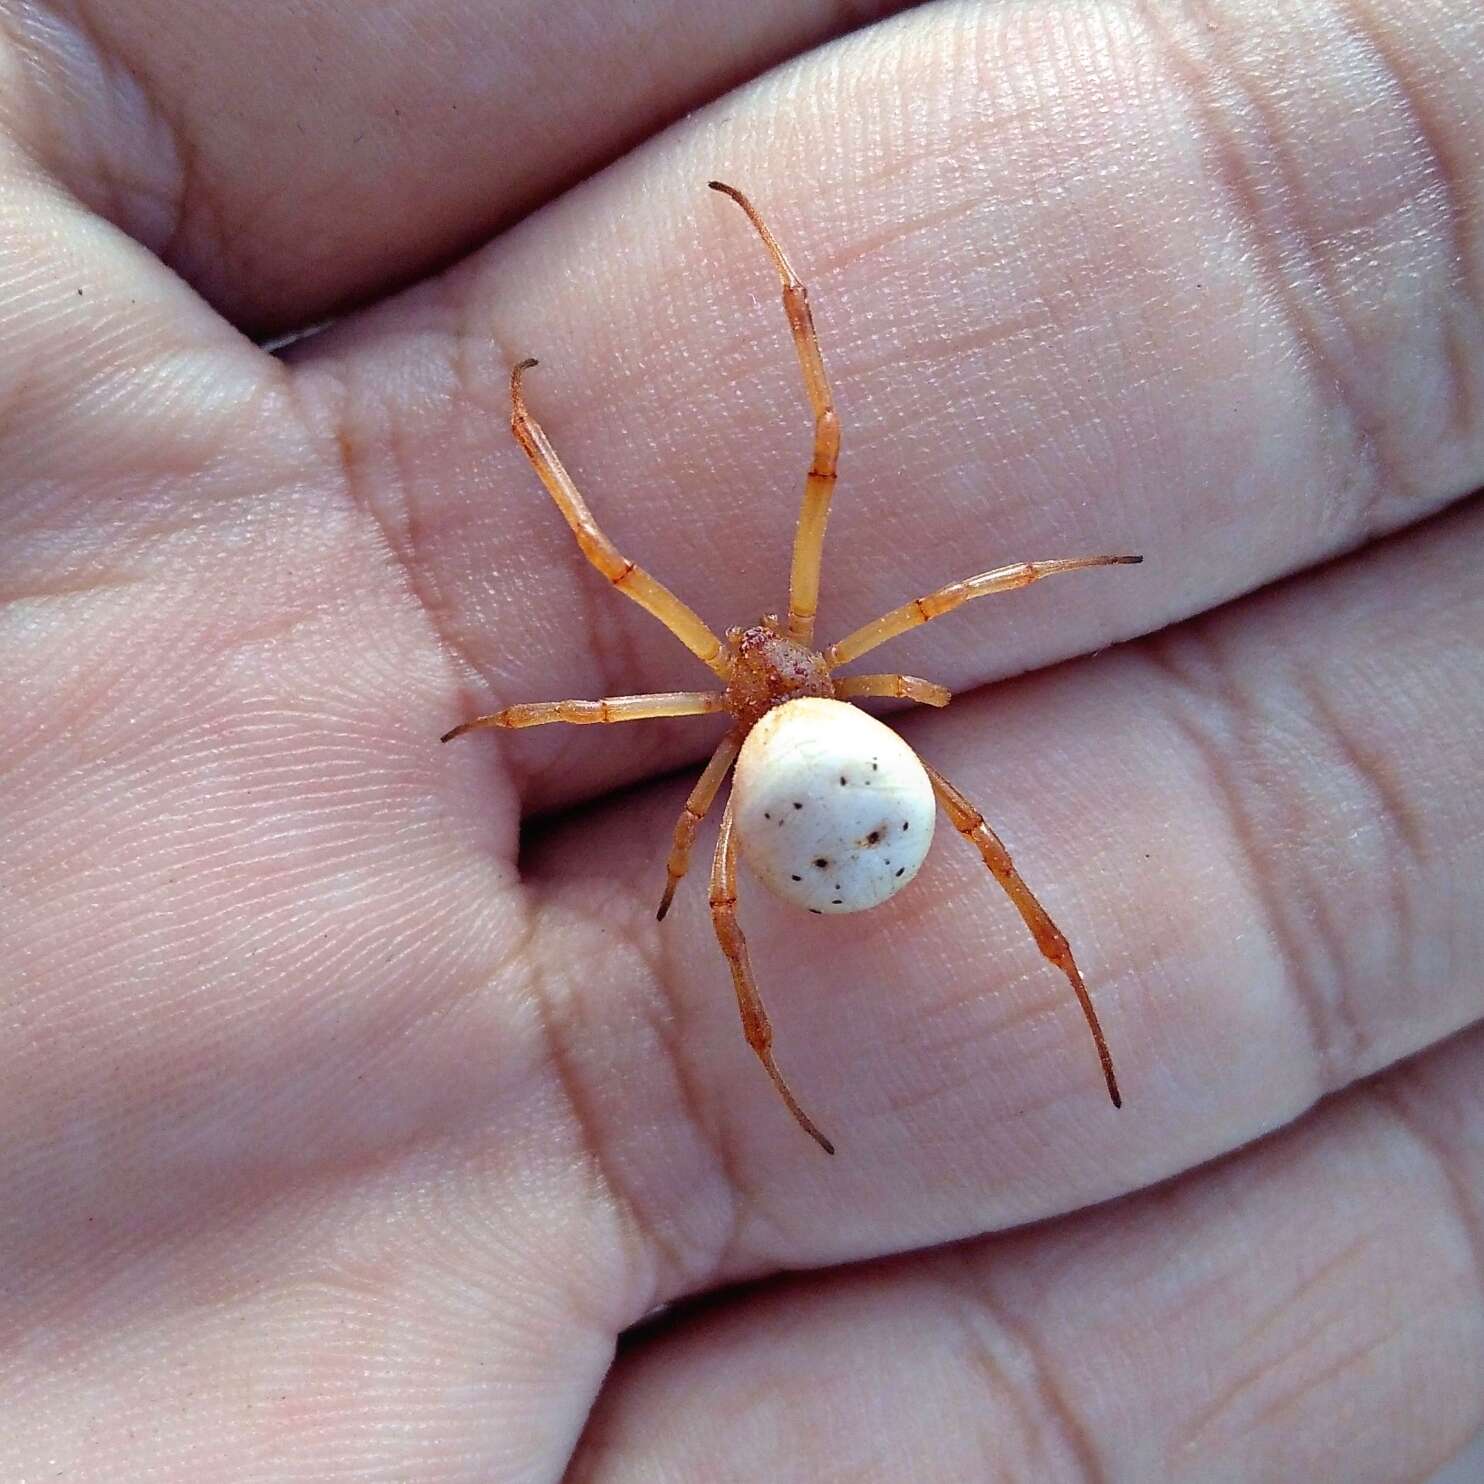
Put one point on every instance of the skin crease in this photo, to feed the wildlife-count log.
(339, 1147)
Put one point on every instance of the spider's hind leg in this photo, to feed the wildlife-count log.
(702, 796)
(755, 1024)
(970, 823)
(893, 687)
(589, 713)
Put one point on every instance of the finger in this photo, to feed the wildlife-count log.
(1143, 1341)
(1261, 835)
(1128, 288)
(105, 358)
(363, 145)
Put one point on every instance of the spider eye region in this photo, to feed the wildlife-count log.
(833, 811)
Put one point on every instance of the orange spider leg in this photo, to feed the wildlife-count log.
(589, 713)
(755, 1025)
(946, 599)
(898, 687)
(819, 485)
(969, 822)
(633, 582)
(702, 796)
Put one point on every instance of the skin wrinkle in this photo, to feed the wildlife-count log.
(1447, 173)
(1036, 994)
(77, 16)
(1309, 1285)
(669, 1023)
(284, 624)
(1458, 213)
(603, 1186)
(347, 461)
(46, 592)
(478, 694)
(866, 249)
(1047, 1398)
(1464, 401)
(1470, 1226)
(972, 345)
(1403, 834)
(1389, 1093)
(911, 163)
(677, 1272)
(1325, 1377)
(1225, 777)
(1316, 252)
(997, 1384)
(1329, 381)
(1373, 770)
(747, 1209)
(1207, 1418)
(16, 395)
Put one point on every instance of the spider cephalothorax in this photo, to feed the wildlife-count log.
(768, 668)
(833, 811)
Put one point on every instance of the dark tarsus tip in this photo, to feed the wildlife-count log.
(1130, 561)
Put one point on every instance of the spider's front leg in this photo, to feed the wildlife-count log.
(631, 580)
(819, 483)
(755, 1024)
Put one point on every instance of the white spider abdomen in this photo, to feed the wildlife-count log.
(833, 810)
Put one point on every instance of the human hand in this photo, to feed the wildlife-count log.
(339, 1148)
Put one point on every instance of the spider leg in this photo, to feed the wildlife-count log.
(633, 582)
(755, 1024)
(969, 822)
(898, 687)
(819, 484)
(946, 599)
(702, 796)
(587, 713)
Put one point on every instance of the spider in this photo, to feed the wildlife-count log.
(831, 808)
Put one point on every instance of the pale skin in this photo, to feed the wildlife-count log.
(354, 1101)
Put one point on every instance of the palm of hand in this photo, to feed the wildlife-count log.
(335, 1145)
